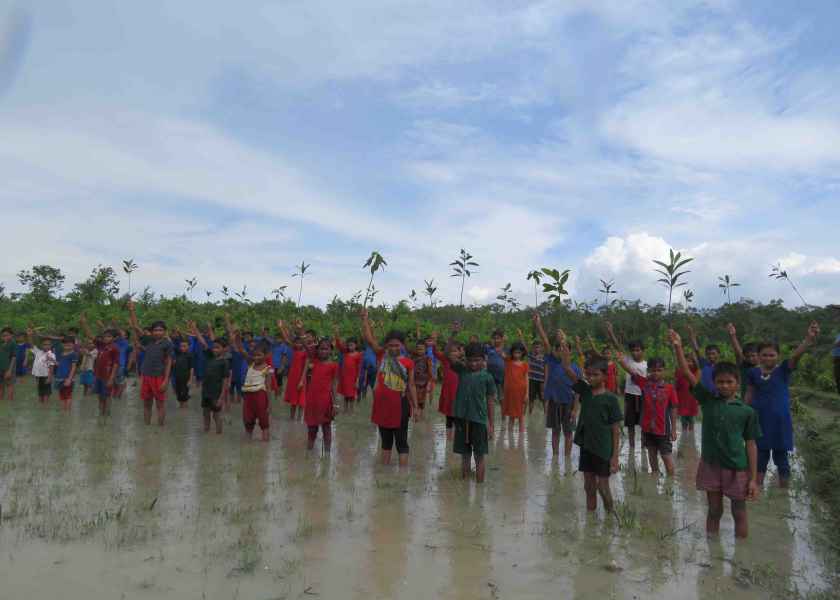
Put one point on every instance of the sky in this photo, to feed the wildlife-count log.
(231, 141)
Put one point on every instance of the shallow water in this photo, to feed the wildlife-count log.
(115, 509)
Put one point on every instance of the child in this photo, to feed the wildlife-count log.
(707, 364)
(515, 386)
(183, 372)
(473, 411)
(295, 395)
(255, 403)
(8, 359)
(495, 357)
(216, 378)
(598, 430)
(688, 407)
(422, 376)
(747, 357)
(65, 372)
(561, 401)
(105, 367)
(536, 375)
(769, 394)
(658, 415)
(453, 352)
(89, 353)
(319, 409)
(43, 365)
(394, 393)
(124, 348)
(157, 365)
(279, 358)
(348, 378)
(728, 461)
(632, 392)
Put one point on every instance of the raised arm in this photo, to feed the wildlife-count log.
(197, 334)
(695, 347)
(736, 345)
(284, 332)
(611, 337)
(810, 337)
(676, 342)
(566, 358)
(132, 320)
(367, 332)
(541, 332)
(83, 323)
(339, 343)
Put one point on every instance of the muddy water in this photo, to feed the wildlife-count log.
(120, 510)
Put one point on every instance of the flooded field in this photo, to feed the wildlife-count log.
(115, 509)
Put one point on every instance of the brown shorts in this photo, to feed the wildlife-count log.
(713, 478)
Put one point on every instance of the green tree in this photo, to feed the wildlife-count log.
(101, 285)
(375, 262)
(556, 288)
(607, 290)
(129, 266)
(430, 291)
(781, 275)
(461, 268)
(43, 281)
(671, 274)
(301, 272)
(536, 276)
(726, 283)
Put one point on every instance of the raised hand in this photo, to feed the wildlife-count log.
(674, 338)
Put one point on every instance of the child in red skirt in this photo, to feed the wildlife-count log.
(351, 363)
(453, 352)
(295, 394)
(320, 393)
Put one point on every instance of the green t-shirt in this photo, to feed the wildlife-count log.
(597, 416)
(473, 389)
(726, 426)
(215, 372)
(745, 369)
(7, 353)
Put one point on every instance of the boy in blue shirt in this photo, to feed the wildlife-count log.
(561, 402)
(65, 372)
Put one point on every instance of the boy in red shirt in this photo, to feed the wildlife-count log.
(104, 367)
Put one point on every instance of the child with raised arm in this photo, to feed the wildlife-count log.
(768, 392)
(65, 372)
(598, 430)
(351, 363)
(659, 412)
(105, 366)
(728, 454)
(453, 352)
(183, 371)
(536, 375)
(394, 392)
(319, 410)
(473, 411)
(632, 392)
(688, 407)
(216, 377)
(86, 378)
(295, 395)
(255, 402)
(561, 401)
(515, 386)
(746, 357)
(8, 360)
(157, 365)
(707, 363)
(43, 365)
(422, 375)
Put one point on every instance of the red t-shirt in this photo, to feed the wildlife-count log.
(612, 377)
(449, 387)
(657, 400)
(108, 355)
(349, 374)
(294, 396)
(319, 393)
(688, 403)
(387, 401)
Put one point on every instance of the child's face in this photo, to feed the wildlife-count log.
(454, 354)
(6, 337)
(259, 357)
(595, 377)
(67, 346)
(21, 339)
(473, 339)
(727, 385)
(393, 347)
(712, 355)
(537, 349)
(351, 346)
(107, 338)
(46, 345)
(751, 357)
(638, 353)
(516, 355)
(158, 332)
(497, 340)
(475, 363)
(247, 336)
(218, 350)
(768, 357)
(420, 350)
(184, 347)
(656, 373)
(324, 351)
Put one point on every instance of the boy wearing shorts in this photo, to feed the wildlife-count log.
(473, 411)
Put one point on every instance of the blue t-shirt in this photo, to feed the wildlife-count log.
(199, 359)
(495, 364)
(707, 378)
(20, 362)
(771, 400)
(558, 385)
(64, 364)
(835, 352)
(124, 349)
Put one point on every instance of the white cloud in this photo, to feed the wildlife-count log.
(478, 294)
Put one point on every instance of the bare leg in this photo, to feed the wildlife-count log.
(715, 500)
(739, 513)
(567, 446)
(479, 469)
(217, 417)
(147, 411)
(465, 465)
(206, 420)
(606, 494)
(403, 460)
(653, 460)
(386, 457)
(590, 486)
(555, 441)
(668, 459)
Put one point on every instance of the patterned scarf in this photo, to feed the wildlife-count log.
(394, 374)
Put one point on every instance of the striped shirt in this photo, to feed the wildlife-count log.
(536, 367)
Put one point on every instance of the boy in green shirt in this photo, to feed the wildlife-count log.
(8, 358)
(473, 410)
(729, 457)
(598, 430)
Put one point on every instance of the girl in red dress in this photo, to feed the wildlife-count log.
(449, 387)
(320, 394)
(348, 378)
(394, 394)
(295, 395)
(688, 408)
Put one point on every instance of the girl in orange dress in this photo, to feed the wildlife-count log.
(348, 375)
(516, 386)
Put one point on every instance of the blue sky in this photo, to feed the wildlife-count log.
(230, 143)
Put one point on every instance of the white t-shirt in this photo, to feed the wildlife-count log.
(637, 368)
(255, 379)
(42, 363)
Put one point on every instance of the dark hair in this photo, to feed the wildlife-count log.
(221, 341)
(518, 346)
(68, 339)
(710, 347)
(351, 340)
(73, 329)
(750, 347)
(395, 334)
(635, 344)
(6, 330)
(497, 333)
(325, 340)
(726, 368)
(597, 363)
(157, 324)
(249, 332)
(656, 363)
(474, 350)
(311, 332)
(559, 344)
(110, 332)
(763, 345)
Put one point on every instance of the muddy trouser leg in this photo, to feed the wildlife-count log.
(401, 434)
(387, 436)
(780, 459)
(312, 433)
(763, 460)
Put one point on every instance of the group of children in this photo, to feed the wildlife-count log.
(746, 406)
